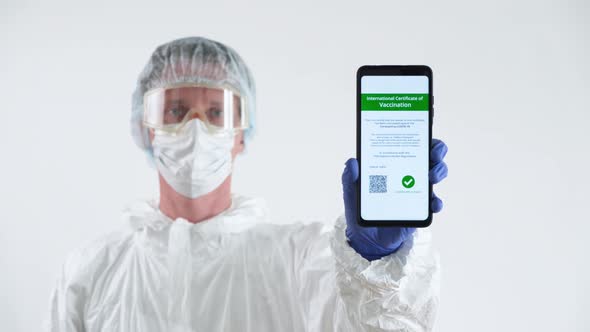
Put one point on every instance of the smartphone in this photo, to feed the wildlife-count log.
(394, 132)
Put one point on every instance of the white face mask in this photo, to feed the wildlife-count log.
(194, 162)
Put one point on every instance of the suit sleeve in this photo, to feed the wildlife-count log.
(342, 291)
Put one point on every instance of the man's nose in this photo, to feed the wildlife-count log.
(195, 115)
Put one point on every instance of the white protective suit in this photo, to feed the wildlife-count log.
(237, 272)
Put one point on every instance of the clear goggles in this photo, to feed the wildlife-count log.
(169, 109)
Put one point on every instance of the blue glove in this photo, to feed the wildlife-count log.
(376, 242)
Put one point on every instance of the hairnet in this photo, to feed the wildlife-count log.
(194, 60)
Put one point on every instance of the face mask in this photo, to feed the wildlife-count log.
(194, 162)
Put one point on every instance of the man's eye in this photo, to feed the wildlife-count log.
(177, 112)
(214, 113)
(215, 116)
(174, 114)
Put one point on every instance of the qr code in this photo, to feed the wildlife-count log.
(377, 183)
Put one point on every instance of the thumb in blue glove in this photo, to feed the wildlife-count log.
(376, 242)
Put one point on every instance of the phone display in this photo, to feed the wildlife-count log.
(394, 131)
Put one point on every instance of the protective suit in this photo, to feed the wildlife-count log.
(238, 272)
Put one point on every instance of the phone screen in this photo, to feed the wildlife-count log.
(395, 145)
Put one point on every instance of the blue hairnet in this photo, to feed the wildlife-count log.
(195, 60)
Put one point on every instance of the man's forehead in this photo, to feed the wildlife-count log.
(194, 93)
(198, 94)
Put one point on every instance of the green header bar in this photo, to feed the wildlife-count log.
(394, 102)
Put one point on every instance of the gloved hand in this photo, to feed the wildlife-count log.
(376, 242)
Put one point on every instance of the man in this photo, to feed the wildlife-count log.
(201, 258)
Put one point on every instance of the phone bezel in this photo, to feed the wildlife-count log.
(391, 70)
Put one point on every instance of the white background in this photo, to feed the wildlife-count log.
(511, 80)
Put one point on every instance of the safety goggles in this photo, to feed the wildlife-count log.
(169, 109)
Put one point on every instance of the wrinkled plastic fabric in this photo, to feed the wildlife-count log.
(237, 272)
(192, 60)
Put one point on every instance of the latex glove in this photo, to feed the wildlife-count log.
(376, 242)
